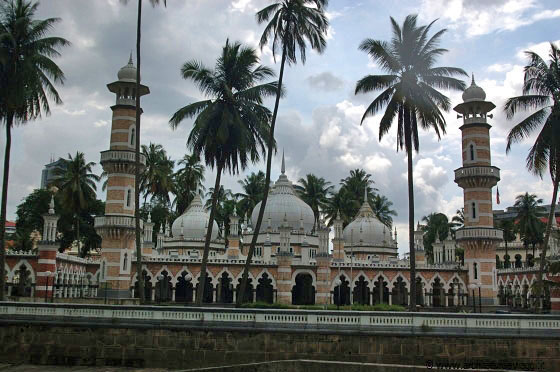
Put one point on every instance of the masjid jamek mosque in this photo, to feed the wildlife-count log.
(292, 263)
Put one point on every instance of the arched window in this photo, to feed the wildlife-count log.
(473, 210)
(128, 197)
(471, 147)
(132, 132)
(125, 261)
(475, 270)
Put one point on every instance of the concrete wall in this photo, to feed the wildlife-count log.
(165, 346)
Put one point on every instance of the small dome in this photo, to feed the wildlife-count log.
(192, 224)
(284, 203)
(366, 229)
(474, 93)
(128, 72)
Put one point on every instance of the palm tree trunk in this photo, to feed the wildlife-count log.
(9, 122)
(257, 230)
(411, 232)
(202, 277)
(137, 163)
(506, 258)
(551, 215)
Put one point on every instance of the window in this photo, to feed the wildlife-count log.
(312, 253)
(125, 261)
(473, 205)
(128, 197)
(472, 152)
(475, 270)
(291, 250)
(258, 251)
(132, 132)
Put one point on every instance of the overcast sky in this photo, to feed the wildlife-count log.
(318, 124)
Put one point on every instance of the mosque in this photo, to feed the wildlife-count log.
(292, 264)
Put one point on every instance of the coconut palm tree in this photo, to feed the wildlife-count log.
(409, 94)
(137, 169)
(188, 180)
(314, 191)
(382, 207)
(27, 77)
(508, 227)
(356, 182)
(291, 25)
(341, 203)
(541, 95)
(76, 186)
(157, 179)
(253, 191)
(529, 212)
(459, 219)
(231, 126)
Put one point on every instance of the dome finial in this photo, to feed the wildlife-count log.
(473, 83)
(283, 169)
(365, 194)
(130, 59)
(51, 205)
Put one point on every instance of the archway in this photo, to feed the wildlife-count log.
(518, 262)
(184, 289)
(502, 295)
(341, 293)
(208, 295)
(303, 293)
(380, 291)
(265, 291)
(163, 288)
(248, 297)
(399, 295)
(361, 291)
(420, 292)
(225, 289)
(438, 293)
(21, 282)
(147, 287)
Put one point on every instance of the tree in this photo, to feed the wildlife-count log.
(27, 77)
(382, 207)
(541, 94)
(436, 227)
(508, 227)
(157, 179)
(459, 219)
(137, 169)
(528, 214)
(188, 181)
(355, 184)
(314, 191)
(77, 187)
(341, 203)
(221, 216)
(253, 190)
(159, 213)
(232, 126)
(410, 95)
(291, 25)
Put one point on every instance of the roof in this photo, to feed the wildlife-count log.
(10, 224)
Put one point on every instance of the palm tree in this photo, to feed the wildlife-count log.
(157, 178)
(436, 227)
(508, 227)
(341, 203)
(529, 211)
(137, 169)
(356, 182)
(76, 186)
(27, 74)
(409, 94)
(314, 191)
(459, 219)
(224, 195)
(382, 207)
(232, 125)
(188, 180)
(253, 191)
(541, 94)
(292, 23)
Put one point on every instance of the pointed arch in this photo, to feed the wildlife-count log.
(270, 276)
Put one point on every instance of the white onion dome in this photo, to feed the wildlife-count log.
(283, 203)
(193, 223)
(474, 93)
(128, 72)
(367, 229)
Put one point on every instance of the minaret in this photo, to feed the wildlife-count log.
(47, 249)
(476, 177)
(338, 240)
(116, 228)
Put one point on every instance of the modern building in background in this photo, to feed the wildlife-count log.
(48, 174)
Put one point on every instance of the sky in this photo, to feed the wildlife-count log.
(319, 119)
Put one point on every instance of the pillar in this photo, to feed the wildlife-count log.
(47, 249)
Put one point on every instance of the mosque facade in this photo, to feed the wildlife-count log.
(293, 262)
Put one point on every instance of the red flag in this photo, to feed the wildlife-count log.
(497, 195)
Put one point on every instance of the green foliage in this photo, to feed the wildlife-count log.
(187, 181)
(159, 213)
(437, 226)
(314, 191)
(253, 192)
(528, 220)
(156, 181)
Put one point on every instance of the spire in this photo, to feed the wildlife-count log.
(365, 194)
(283, 169)
(149, 217)
(130, 59)
(51, 205)
(472, 82)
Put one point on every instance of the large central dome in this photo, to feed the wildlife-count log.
(283, 202)
(366, 229)
(192, 224)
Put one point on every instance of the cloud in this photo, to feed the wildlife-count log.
(325, 81)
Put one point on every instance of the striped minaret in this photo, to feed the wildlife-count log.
(47, 249)
(476, 177)
(117, 226)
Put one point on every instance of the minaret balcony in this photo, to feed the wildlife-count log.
(121, 156)
(126, 222)
(477, 176)
(479, 233)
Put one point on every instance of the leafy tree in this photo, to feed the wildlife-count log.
(137, 169)
(508, 227)
(291, 25)
(436, 227)
(410, 95)
(529, 211)
(188, 181)
(222, 215)
(159, 213)
(382, 207)
(157, 179)
(541, 94)
(232, 126)
(77, 186)
(253, 190)
(314, 191)
(459, 219)
(27, 74)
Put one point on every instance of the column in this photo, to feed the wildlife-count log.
(172, 294)
(153, 293)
